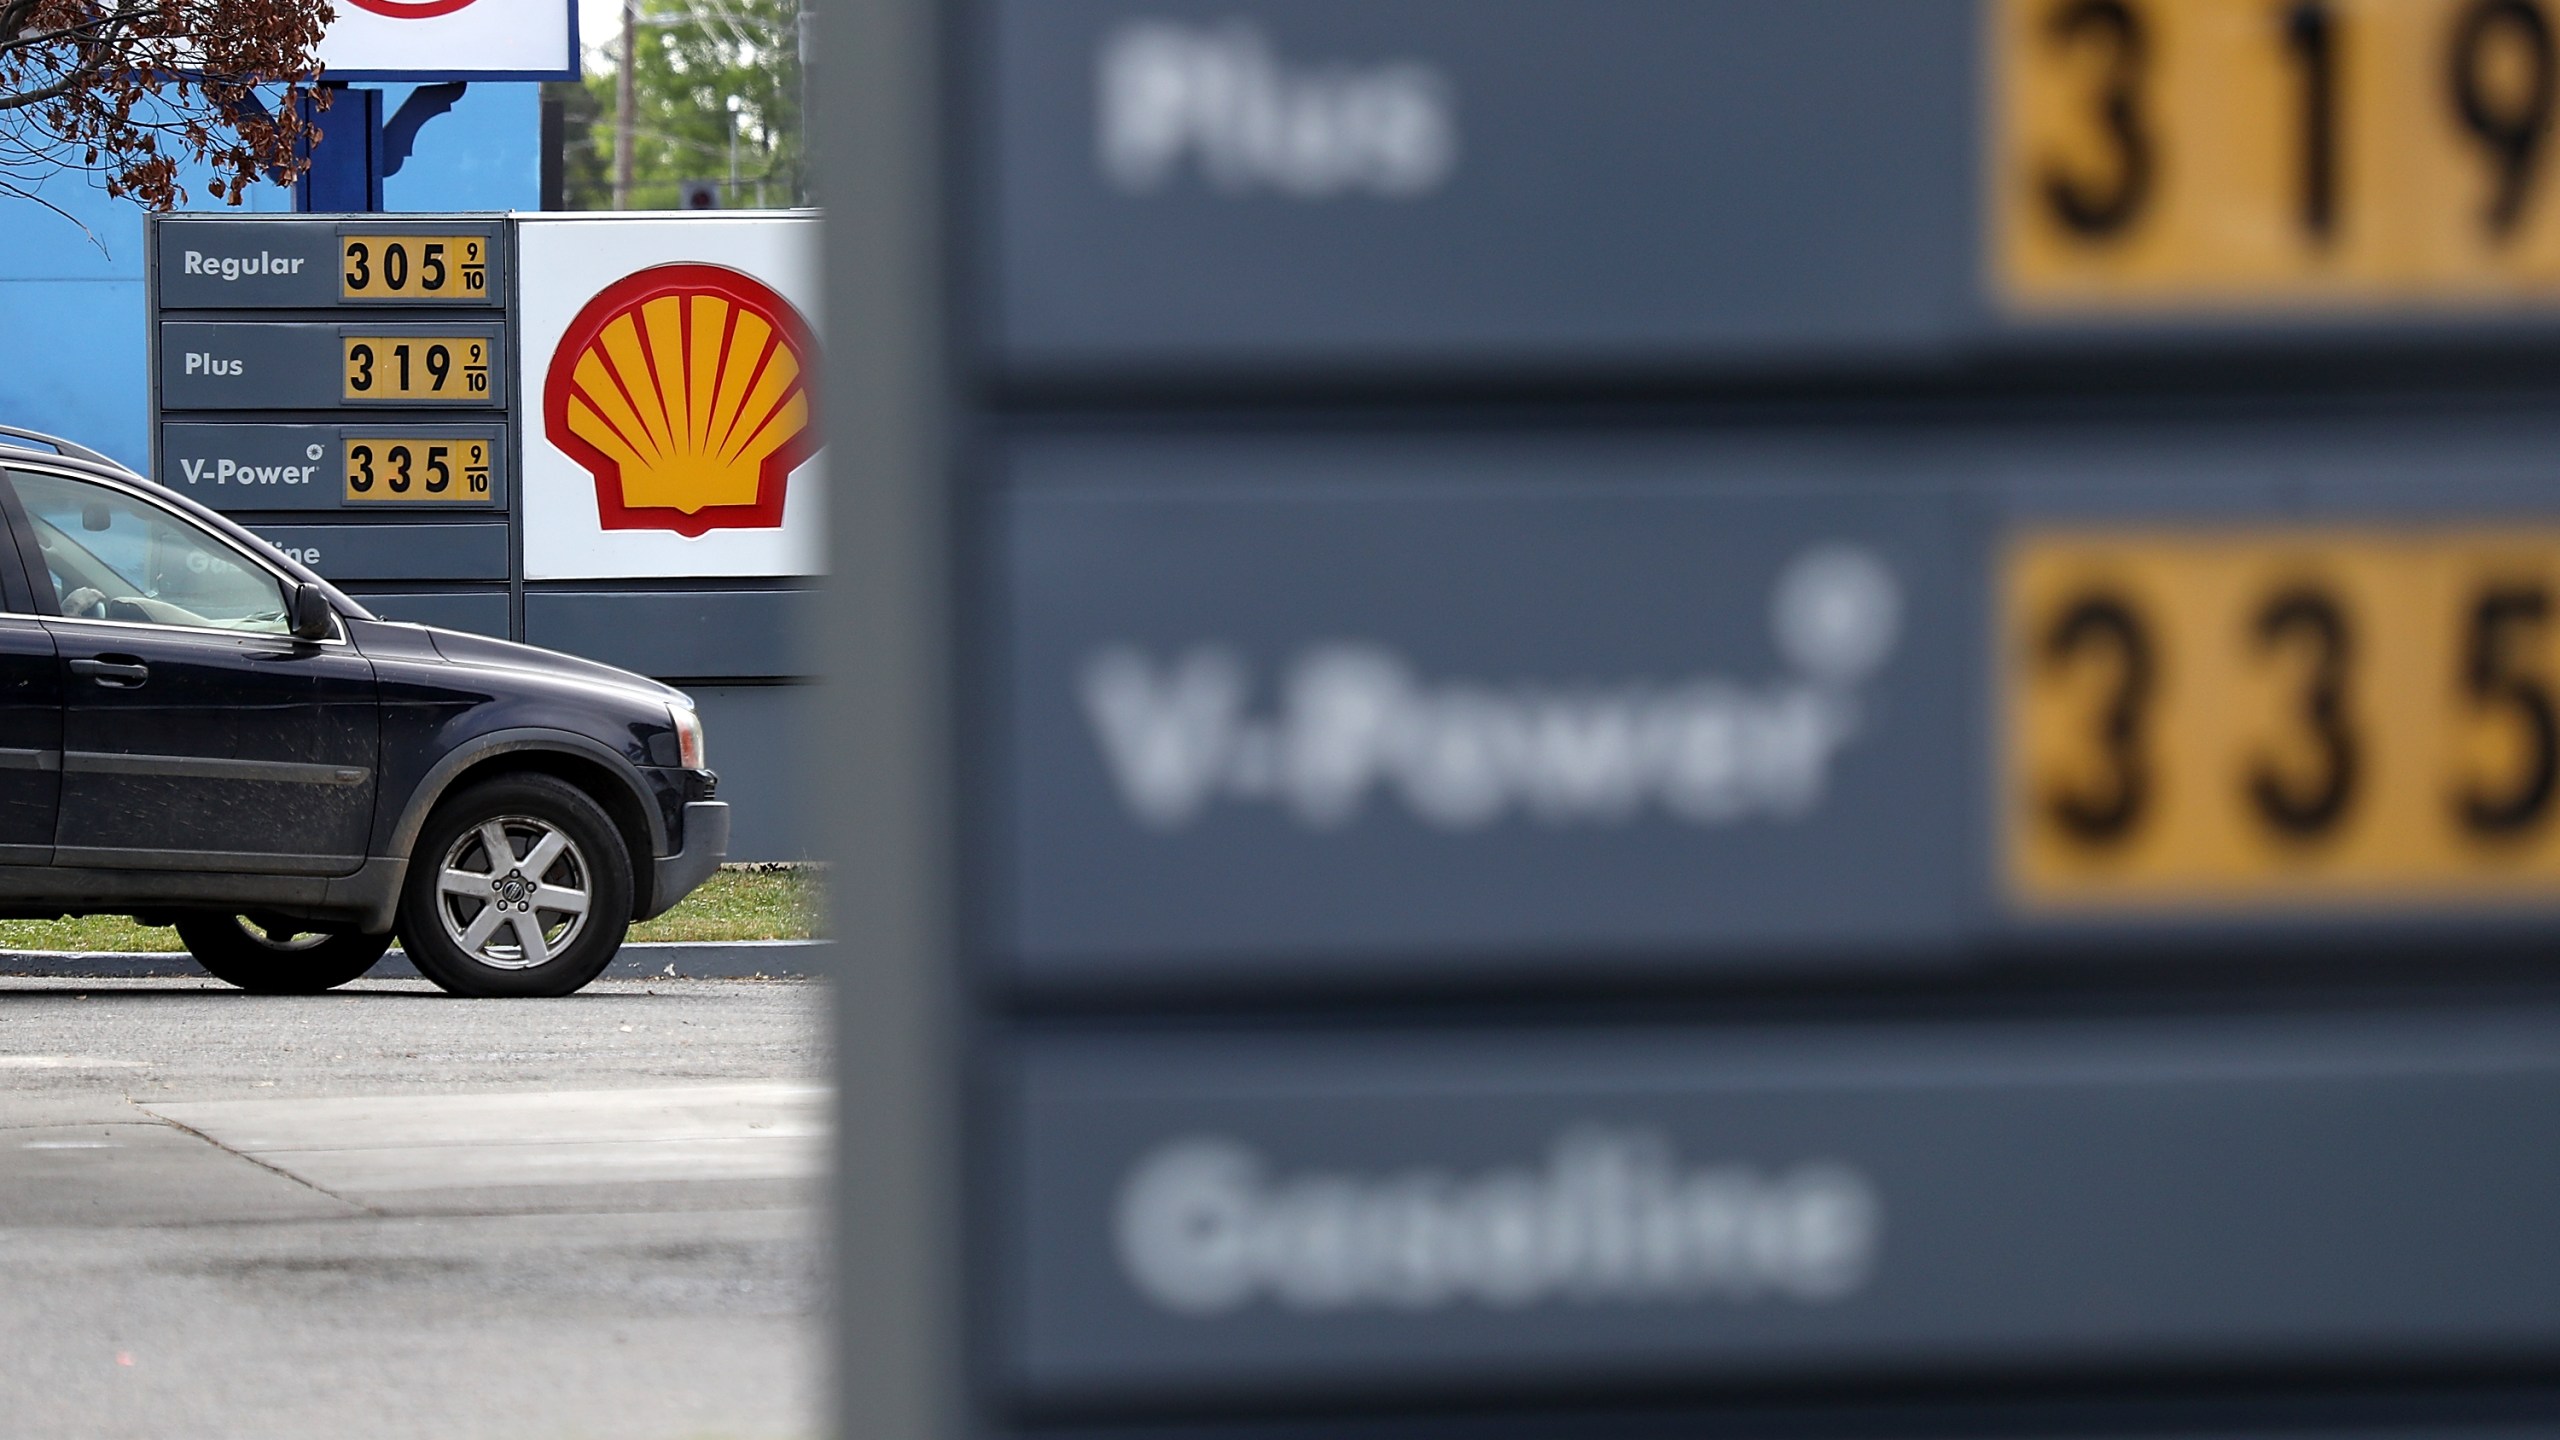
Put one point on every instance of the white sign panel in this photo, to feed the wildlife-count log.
(669, 366)
(452, 40)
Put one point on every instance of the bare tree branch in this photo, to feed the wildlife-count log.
(132, 89)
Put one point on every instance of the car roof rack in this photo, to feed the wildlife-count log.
(13, 437)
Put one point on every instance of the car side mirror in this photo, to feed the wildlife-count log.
(311, 613)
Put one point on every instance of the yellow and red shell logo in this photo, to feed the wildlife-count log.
(684, 390)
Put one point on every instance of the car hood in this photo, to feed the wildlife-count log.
(467, 649)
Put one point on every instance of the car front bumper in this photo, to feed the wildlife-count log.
(706, 844)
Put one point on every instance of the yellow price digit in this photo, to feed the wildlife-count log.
(413, 267)
(417, 367)
(415, 469)
(2339, 717)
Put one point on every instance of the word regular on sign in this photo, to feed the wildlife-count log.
(2167, 153)
(2282, 716)
(238, 267)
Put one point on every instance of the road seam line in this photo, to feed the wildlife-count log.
(261, 1164)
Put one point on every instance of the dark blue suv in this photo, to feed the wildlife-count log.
(197, 731)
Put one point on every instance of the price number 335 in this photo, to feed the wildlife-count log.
(2226, 715)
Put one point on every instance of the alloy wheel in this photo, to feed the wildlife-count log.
(513, 892)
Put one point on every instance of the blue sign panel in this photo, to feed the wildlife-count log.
(1390, 710)
(1226, 1219)
(1456, 186)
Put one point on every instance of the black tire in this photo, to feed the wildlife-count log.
(270, 957)
(438, 924)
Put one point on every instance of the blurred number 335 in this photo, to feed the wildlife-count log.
(2289, 716)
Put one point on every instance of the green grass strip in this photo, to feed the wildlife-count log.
(741, 902)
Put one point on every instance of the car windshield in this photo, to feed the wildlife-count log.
(113, 557)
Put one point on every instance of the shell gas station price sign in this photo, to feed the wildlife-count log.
(2166, 154)
(2281, 717)
(398, 267)
(408, 470)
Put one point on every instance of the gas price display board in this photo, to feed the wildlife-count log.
(1622, 715)
(341, 384)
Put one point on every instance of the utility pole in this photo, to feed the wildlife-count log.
(808, 41)
(626, 104)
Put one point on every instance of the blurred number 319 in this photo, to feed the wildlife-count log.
(2222, 154)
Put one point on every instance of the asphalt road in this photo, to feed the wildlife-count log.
(387, 1213)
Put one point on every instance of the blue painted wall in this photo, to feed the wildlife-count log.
(71, 313)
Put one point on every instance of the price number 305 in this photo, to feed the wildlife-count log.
(2351, 717)
(413, 267)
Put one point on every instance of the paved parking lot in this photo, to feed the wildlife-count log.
(386, 1213)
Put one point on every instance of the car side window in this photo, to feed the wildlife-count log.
(111, 556)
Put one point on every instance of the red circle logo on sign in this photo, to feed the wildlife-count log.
(412, 9)
(684, 391)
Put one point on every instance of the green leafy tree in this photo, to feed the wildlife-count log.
(710, 75)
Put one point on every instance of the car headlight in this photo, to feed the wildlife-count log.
(688, 736)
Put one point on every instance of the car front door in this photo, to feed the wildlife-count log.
(197, 734)
(30, 726)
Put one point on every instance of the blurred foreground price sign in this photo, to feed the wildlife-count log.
(2151, 153)
(1447, 835)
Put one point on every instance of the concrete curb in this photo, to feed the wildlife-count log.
(704, 960)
